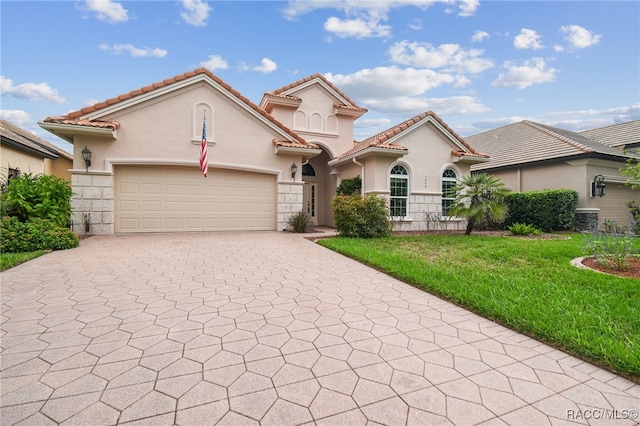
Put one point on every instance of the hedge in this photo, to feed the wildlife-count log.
(35, 234)
(547, 210)
(361, 217)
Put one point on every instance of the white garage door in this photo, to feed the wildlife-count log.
(180, 199)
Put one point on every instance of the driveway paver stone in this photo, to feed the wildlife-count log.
(268, 328)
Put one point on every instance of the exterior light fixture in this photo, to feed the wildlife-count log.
(598, 186)
(86, 156)
(294, 170)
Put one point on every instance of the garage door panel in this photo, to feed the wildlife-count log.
(178, 199)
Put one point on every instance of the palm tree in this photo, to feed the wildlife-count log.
(480, 200)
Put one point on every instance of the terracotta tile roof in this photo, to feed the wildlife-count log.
(617, 135)
(75, 117)
(381, 139)
(284, 92)
(19, 138)
(529, 142)
(289, 144)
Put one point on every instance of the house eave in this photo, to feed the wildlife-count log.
(68, 131)
(304, 152)
(469, 159)
(395, 153)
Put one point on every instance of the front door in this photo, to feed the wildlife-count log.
(310, 201)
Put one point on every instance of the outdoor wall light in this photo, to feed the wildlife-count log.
(598, 186)
(294, 170)
(86, 156)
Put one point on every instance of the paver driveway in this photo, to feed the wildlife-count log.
(270, 328)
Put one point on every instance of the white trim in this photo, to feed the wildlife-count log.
(368, 152)
(62, 130)
(109, 163)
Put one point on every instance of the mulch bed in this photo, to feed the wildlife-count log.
(632, 272)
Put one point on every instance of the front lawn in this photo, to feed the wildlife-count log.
(525, 284)
(9, 260)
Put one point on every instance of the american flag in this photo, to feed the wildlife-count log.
(203, 149)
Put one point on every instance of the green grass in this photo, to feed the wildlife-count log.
(525, 284)
(9, 260)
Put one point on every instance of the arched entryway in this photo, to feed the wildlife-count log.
(319, 189)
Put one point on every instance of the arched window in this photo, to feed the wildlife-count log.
(449, 193)
(308, 170)
(399, 196)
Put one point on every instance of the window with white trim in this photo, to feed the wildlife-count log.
(449, 192)
(399, 187)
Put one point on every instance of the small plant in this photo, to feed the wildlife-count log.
(523, 229)
(299, 222)
(86, 222)
(610, 249)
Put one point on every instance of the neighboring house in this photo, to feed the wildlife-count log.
(24, 152)
(529, 156)
(267, 162)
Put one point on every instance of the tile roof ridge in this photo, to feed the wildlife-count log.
(548, 130)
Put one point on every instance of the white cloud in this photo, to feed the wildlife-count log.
(266, 66)
(195, 12)
(368, 123)
(16, 116)
(364, 18)
(579, 37)
(215, 62)
(416, 24)
(478, 36)
(531, 72)
(468, 7)
(389, 82)
(392, 90)
(108, 11)
(30, 91)
(449, 57)
(527, 39)
(356, 28)
(136, 52)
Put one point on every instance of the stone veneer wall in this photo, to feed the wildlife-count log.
(425, 214)
(289, 203)
(586, 219)
(93, 194)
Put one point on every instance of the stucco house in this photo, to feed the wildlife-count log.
(530, 156)
(266, 162)
(24, 152)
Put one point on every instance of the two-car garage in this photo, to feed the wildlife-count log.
(181, 199)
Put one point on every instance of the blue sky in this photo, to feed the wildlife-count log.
(477, 64)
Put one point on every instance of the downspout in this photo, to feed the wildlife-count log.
(362, 178)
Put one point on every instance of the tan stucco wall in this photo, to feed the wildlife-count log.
(27, 163)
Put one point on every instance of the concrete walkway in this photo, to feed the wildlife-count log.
(268, 328)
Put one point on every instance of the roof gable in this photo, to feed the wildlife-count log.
(529, 142)
(287, 95)
(387, 138)
(90, 117)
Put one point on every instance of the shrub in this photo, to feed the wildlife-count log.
(36, 234)
(361, 217)
(349, 186)
(41, 196)
(547, 210)
(299, 222)
(523, 229)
